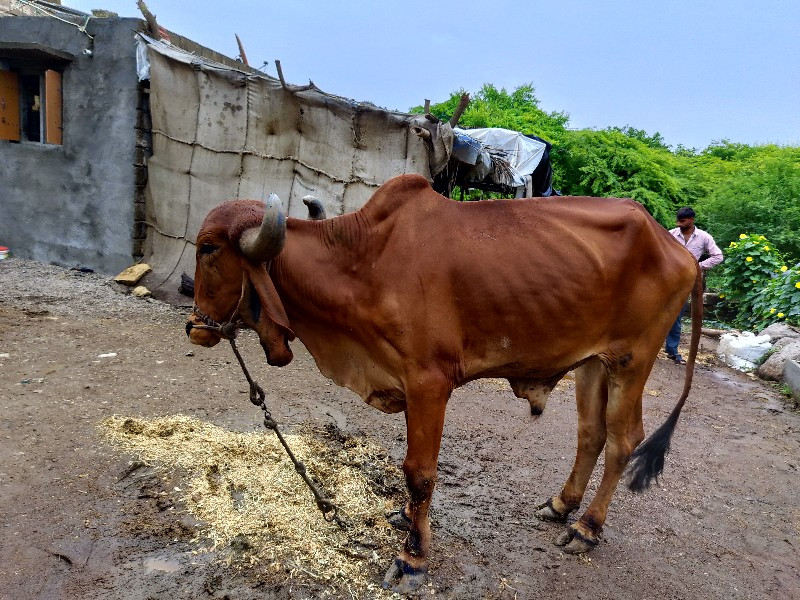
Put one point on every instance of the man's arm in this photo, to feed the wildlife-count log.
(714, 254)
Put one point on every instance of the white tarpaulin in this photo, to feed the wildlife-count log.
(220, 133)
(523, 153)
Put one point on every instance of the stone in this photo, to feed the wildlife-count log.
(140, 291)
(133, 274)
(743, 350)
(791, 375)
(773, 367)
(710, 299)
(777, 331)
(784, 341)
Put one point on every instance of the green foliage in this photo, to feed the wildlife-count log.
(726, 150)
(655, 140)
(759, 190)
(612, 163)
(490, 107)
(779, 300)
(758, 285)
(749, 262)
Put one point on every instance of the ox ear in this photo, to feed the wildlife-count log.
(262, 310)
(268, 299)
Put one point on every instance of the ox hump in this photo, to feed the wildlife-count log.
(398, 191)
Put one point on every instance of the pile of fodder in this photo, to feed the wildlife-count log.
(256, 511)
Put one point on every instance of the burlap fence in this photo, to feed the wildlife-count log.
(220, 133)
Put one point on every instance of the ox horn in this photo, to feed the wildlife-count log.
(421, 132)
(262, 244)
(316, 212)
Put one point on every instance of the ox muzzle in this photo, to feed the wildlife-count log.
(205, 331)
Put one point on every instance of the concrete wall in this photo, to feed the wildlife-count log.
(73, 205)
(791, 375)
(11, 7)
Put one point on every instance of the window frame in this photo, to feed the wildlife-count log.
(22, 62)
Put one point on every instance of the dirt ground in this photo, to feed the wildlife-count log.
(724, 522)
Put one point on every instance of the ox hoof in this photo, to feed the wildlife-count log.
(399, 520)
(546, 512)
(402, 578)
(574, 542)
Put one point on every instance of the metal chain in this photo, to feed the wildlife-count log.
(330, 512)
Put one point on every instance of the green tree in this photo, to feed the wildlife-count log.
(613, 163)
(655, 140)
(490, 107)
(760, 194)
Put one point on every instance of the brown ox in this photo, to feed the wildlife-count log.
(414, 295)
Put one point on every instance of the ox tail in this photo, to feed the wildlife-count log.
(647, 461)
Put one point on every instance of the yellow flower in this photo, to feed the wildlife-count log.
(742, 236)
(733, 245)
(761, 237)
(784, 269)
(781, 315)
(749, 259)
(766, 248)
(722, 295)
(772, 311)
(797, 285)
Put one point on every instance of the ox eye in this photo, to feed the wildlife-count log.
(207, 248)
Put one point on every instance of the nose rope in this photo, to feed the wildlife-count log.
(227, 330)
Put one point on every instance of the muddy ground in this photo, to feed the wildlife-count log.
(723, 523)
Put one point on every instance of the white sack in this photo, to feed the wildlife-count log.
(742, 351)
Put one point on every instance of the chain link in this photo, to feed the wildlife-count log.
(228, 331)
(329, 510)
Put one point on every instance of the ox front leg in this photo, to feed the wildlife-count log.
(624, 432)
(425, 408)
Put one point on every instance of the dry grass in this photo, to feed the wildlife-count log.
(256, 510)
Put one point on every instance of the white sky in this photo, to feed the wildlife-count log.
(696, 71)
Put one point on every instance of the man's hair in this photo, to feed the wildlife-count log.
(685, 213)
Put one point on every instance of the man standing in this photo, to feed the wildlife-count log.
(699, 243)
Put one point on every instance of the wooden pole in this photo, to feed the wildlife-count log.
(152, 24)
(292, 88)
(241, 50)
(462, 106)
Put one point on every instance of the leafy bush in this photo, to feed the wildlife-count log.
(757, 283)
(780, 299)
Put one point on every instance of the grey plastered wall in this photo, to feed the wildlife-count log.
(73, 204)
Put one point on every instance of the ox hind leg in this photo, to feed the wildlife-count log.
(591, 394)
(425, 410)
(624, 431)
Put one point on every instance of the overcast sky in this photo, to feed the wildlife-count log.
(696, 71)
